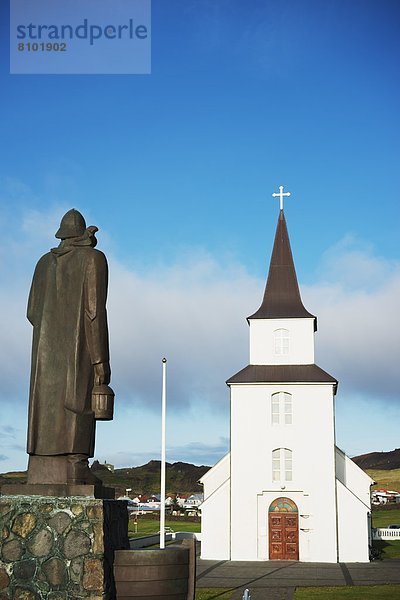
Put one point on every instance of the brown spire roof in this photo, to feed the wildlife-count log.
(282, 295)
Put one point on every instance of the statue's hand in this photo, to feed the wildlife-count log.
(102, 373)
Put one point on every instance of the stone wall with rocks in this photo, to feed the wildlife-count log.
(60, 548)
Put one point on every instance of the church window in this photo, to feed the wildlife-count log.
(288, 464)
(281, 342)
(281, 408)
(282, 468)
(276, 465)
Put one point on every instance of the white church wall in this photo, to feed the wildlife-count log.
(216, 476)
(352, 526)
(354, 478)
(215, 524)
(248, 459)
(298, 351)
(311, 439)
(215, 511)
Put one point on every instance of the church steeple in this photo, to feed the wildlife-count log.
(282, 295)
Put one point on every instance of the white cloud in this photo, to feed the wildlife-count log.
(359, 320)
(353, 264)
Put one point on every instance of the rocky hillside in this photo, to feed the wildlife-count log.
(384, 461)
(182, 478)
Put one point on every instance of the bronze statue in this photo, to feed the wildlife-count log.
(70, 356)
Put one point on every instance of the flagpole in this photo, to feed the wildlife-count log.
(163, 426)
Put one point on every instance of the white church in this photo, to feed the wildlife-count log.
(285, 491)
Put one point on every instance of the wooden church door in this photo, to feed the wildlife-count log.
(283, 526)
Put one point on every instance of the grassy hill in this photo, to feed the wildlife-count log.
(383, 467)
(389, 480)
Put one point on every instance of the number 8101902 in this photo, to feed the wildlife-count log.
(42, 47)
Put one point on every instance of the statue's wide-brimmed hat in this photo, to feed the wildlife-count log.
(72, 225)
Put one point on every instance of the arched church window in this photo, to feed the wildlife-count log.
(281, 408)
(282, 464)
(283, 505)
(281, 342)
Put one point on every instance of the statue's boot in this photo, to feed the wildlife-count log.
(78, 471)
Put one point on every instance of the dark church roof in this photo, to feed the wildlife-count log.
(282, 295)
(282, 374)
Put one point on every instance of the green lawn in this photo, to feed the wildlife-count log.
(382, 517)
(370, 592)
(211, 593)
(149, 527)
(389, 548)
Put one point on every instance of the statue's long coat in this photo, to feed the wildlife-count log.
(67, 308)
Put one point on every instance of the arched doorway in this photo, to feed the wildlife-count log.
(283, 526)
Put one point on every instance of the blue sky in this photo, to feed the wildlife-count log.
(176, 169)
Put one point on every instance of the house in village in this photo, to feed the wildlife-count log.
(192, 504)
(384, 496)
(305, 499)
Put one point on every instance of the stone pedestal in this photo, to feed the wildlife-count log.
(60, 548)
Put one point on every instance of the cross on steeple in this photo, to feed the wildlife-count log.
(281, 195)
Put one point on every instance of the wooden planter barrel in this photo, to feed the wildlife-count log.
(154, 574)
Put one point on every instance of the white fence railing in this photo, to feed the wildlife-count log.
(385, 534)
